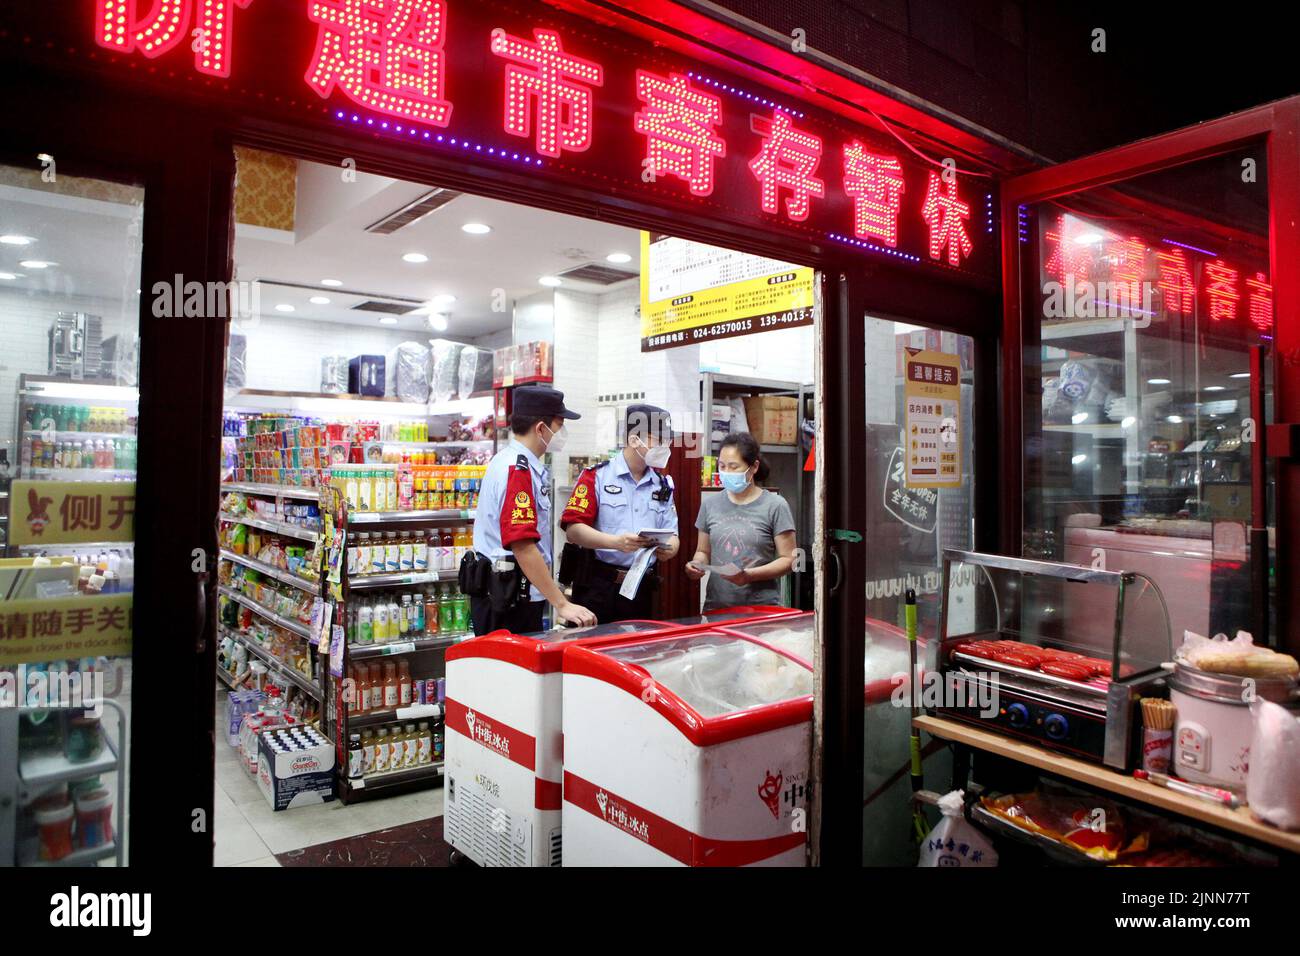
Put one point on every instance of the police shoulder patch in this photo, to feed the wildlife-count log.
(613, 489)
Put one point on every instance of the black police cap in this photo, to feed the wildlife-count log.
(648, 420)
(541, 401)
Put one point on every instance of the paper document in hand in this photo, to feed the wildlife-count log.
(636, 573)
(725, 570)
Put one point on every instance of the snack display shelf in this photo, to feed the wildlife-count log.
(39, 769)
(84, 474)
(298, 680)
(275, 491)
(278, 527)
(279, 574)
(302, 630)
(1238, 821)
(379, 717)
(360, 582)
(85, 857)
(226, 678)
(410, 517)
(394, 777)
(434, 445)
(359, 652)
(61, 435)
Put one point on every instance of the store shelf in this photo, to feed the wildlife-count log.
(409, 517)
(378, 717)
(311, 585)
(364, 582)
(1069, 329)
(82, 474)
(778, 449)
(358, 652)
(77, 436)
(278, 527)
(435, 445)
(291, 675)
(358, 406)
(1239, 821)
(275, 491)
(378, 780)
(76, 858)
(39, 769)
(225, 678)
(302, 630)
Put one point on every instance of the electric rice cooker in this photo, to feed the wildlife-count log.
(1213, 728)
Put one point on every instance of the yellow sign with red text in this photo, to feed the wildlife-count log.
(57, 629)
(932, 395)
(71, 512)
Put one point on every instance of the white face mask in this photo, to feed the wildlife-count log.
(657, 457)
(556, 444)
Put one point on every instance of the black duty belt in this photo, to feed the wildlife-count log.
(605, 571)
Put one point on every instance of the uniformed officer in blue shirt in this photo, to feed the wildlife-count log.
(610, 506)
(508, 574)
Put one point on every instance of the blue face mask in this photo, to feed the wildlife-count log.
(735, 481)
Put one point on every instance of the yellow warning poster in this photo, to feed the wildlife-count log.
(692, 292)
(71, 512)
(58, 629)
(932, 394)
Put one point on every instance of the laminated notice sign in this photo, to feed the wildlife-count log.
(692, 292)
(932, 396)
(71, 512)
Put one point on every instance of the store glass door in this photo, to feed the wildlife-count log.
(1142, 290)
(70, 263)
(920, 491)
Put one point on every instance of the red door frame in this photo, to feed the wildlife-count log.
(1277, 125)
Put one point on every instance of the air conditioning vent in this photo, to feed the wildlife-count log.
(596, 274)
(412, 211)
(388, 308)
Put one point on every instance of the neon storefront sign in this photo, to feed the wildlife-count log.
(533, 88)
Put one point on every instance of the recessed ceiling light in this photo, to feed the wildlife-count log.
(1239, 375)
(438, 323)
(445, 298)
(36, 264)
(1214, 388)
(11, 240)
(619, 257)
(1078, 459)
(284, 307)
(8, 276)
(332, 283)
(319, 300)
(551, 281)
(1175, 419)
(388, 320)
(1157, 381)
(476, 228)
(415, 257)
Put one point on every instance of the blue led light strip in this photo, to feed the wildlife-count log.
(872, 247)
(405, 130)
(744, 94)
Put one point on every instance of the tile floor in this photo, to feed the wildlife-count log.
(249, 833)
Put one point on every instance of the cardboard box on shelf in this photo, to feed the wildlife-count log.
(773, 419)
(295, 778)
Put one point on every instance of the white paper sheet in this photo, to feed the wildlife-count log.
(635, 573)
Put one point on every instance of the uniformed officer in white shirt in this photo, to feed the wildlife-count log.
(508, 574)
(610, 506)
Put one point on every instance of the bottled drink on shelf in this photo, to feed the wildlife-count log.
(431, 621)
(381, 751)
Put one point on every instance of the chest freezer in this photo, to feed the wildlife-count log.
(503, 735)
(685, 750)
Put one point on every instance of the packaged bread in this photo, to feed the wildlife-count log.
(1239, 657)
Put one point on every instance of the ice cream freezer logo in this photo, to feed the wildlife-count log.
(481, 732)
(38, 511)
(770, 792)
(616, 814)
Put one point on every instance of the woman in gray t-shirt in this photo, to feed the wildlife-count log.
(743, 525)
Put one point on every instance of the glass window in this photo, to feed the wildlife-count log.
(69, 308)
(1143, 305)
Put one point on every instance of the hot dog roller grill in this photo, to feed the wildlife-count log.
(1005, 619)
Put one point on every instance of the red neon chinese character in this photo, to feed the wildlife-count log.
(788, 158)
(1068, 258)
(1259, 298)
(678, 125)
(384, 54)
(163, 27)
(546, 76)
(876, 185)
(1221, 289)
(1175, 281)
(944, 211)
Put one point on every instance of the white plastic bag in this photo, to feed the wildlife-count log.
(1273, 780)
(954, 842)
(408, 372)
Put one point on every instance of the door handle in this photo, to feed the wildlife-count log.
(201, 617)
(839, 572)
